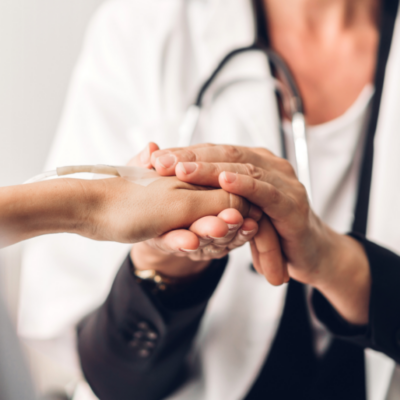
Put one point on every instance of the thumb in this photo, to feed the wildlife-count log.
(143, 158)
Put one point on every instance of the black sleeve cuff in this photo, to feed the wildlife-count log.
(136, 338)
(383, 330)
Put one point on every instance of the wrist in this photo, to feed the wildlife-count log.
(346, 280)
(89, 208)
(146, 257)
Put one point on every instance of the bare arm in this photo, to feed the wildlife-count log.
(109, 209)
(31, 210)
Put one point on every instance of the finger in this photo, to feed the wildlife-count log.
(211, 202)
(210, 228)
(166, 162)
(177, 240)
(215, 252)
(143, 158)
(207, 174)
(160, 153)
(263, 194)
(234, 220)
(245, 234)
(270, 259)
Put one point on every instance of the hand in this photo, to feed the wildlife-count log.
(292, 240)
(122, 211)
(188, 251)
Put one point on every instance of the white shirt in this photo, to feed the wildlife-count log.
(335, 155)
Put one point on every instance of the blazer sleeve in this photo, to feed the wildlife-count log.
(136, 344)
(383, 330)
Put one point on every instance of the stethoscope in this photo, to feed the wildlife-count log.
(288, 92)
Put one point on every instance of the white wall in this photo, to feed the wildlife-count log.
(39, 43)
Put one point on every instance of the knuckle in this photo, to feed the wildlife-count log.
(232, 153)
(302, 196)
(263, 151)
(190, 156)
(253, 171)
(217, 169)
(274, 195)
(253, 186)
(286, 167)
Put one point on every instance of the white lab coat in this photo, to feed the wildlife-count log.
(141, 66)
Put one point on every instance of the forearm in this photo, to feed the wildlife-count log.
(382, 333)
(345, 279)
(36, 209)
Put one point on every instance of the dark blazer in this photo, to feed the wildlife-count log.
(135, 346)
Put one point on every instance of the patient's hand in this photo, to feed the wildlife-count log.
(184, 252)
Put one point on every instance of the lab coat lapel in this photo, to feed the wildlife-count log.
(216, 35)
(384, 212)
(252, 106)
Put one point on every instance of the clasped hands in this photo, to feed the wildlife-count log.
(287, 240)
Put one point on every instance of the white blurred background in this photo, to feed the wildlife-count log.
(40, 41)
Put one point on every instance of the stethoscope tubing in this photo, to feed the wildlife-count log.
(295, 103)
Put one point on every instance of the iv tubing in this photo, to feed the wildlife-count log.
(94, 169)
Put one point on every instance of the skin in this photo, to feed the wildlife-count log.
(331, 49)
(330, 46)
(185, 252)
(110, 209)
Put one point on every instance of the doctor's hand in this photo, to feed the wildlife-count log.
(184, 252)
(292, 241)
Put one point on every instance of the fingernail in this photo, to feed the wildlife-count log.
(229, 176)
(187, 250)
(247, 233)
(233, 227)
(145, 155)
(187, 168)
(167, 161)
(215, 238)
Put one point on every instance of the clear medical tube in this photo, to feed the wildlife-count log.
(138, 175)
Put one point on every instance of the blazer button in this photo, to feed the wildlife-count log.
(138, 334)
(144, 353)
(143, 339)
(151, 335)
(144, 326)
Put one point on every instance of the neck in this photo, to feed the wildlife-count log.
(319, 16)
